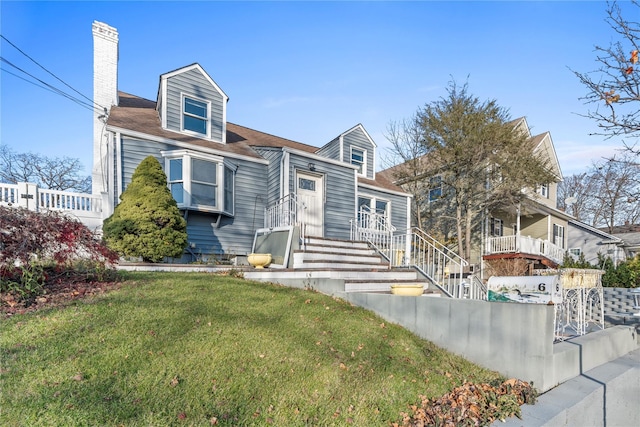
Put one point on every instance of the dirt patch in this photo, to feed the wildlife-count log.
(55, 295)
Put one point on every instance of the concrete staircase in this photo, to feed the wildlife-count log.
(350, 266)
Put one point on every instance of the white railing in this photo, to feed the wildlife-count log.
(443, 267)
(415, 248)
(288, 211)
(87, 208)
(374, 228)
(68, 201)
(524, 245)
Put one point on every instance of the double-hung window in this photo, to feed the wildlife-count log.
(558, 235)
(495, 227)
(200, 182)
(435, 188)
(543, 190)
(373, 212)
(359, 159)
(195, 115)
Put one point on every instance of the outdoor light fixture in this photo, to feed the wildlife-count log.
(312, 167)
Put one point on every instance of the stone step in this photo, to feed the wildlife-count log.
(319, 241)
(378, 285)
(338, 249)
(272, 274)
(334, 257)
(336, 265)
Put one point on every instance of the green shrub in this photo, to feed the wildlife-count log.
(147, 222)
(625, 275)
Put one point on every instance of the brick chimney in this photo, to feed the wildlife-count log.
(105, 95)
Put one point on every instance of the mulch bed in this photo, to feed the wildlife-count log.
(56, 294)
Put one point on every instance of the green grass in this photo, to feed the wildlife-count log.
(200, 349)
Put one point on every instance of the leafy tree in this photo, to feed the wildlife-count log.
(54, 173)
(614, 87)
(481, 160)
(147, 222)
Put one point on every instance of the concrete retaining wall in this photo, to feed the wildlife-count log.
(513, 339)
(604, 396)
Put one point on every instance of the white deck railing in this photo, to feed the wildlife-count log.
(88, 208)
(524, 245)
(68, 201)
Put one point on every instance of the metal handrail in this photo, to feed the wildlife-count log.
(414, 248)
(287, 211)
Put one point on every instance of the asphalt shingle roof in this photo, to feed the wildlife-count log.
(140, 115)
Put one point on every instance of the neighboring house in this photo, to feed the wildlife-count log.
(534, 232)
(629, 235)
(226, 178)
(590, 242)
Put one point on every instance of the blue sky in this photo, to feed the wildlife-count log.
(308, 71)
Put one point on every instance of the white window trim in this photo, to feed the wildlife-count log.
(364, 159)
(492, 227)
(429, 199)
(373, 204)
(186, 156)
(183, 96)
(543, 190)
(563, 236)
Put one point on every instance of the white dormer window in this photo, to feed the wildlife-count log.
(195, 116)
(543, 190)
(359, 159)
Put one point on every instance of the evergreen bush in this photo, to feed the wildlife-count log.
(147, 223)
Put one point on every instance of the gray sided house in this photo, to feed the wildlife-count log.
(582, 239)
(227, 178)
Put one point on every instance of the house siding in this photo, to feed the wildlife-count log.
(274, 156)
(357, 138)
(339, 194)
(398, 206)
(234, 235)
(331, 150)
(193, 83)
(591, 245)
(536, 227)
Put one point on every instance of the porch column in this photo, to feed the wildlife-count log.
(518, 228)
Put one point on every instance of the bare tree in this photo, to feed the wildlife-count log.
(616, 192)
(575, 196)
(614, 87)
(57, 173)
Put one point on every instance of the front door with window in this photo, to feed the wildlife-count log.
(310, 191)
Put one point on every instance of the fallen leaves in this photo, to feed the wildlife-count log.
(471, 405)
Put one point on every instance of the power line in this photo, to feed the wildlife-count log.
(94, 105)
(48, 86)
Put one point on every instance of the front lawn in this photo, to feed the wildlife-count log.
(199, 349)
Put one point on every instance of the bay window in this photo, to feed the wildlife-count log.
(200, 182)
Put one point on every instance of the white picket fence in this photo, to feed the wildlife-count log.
(87, 208)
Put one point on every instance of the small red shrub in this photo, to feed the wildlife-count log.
(37, 248)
